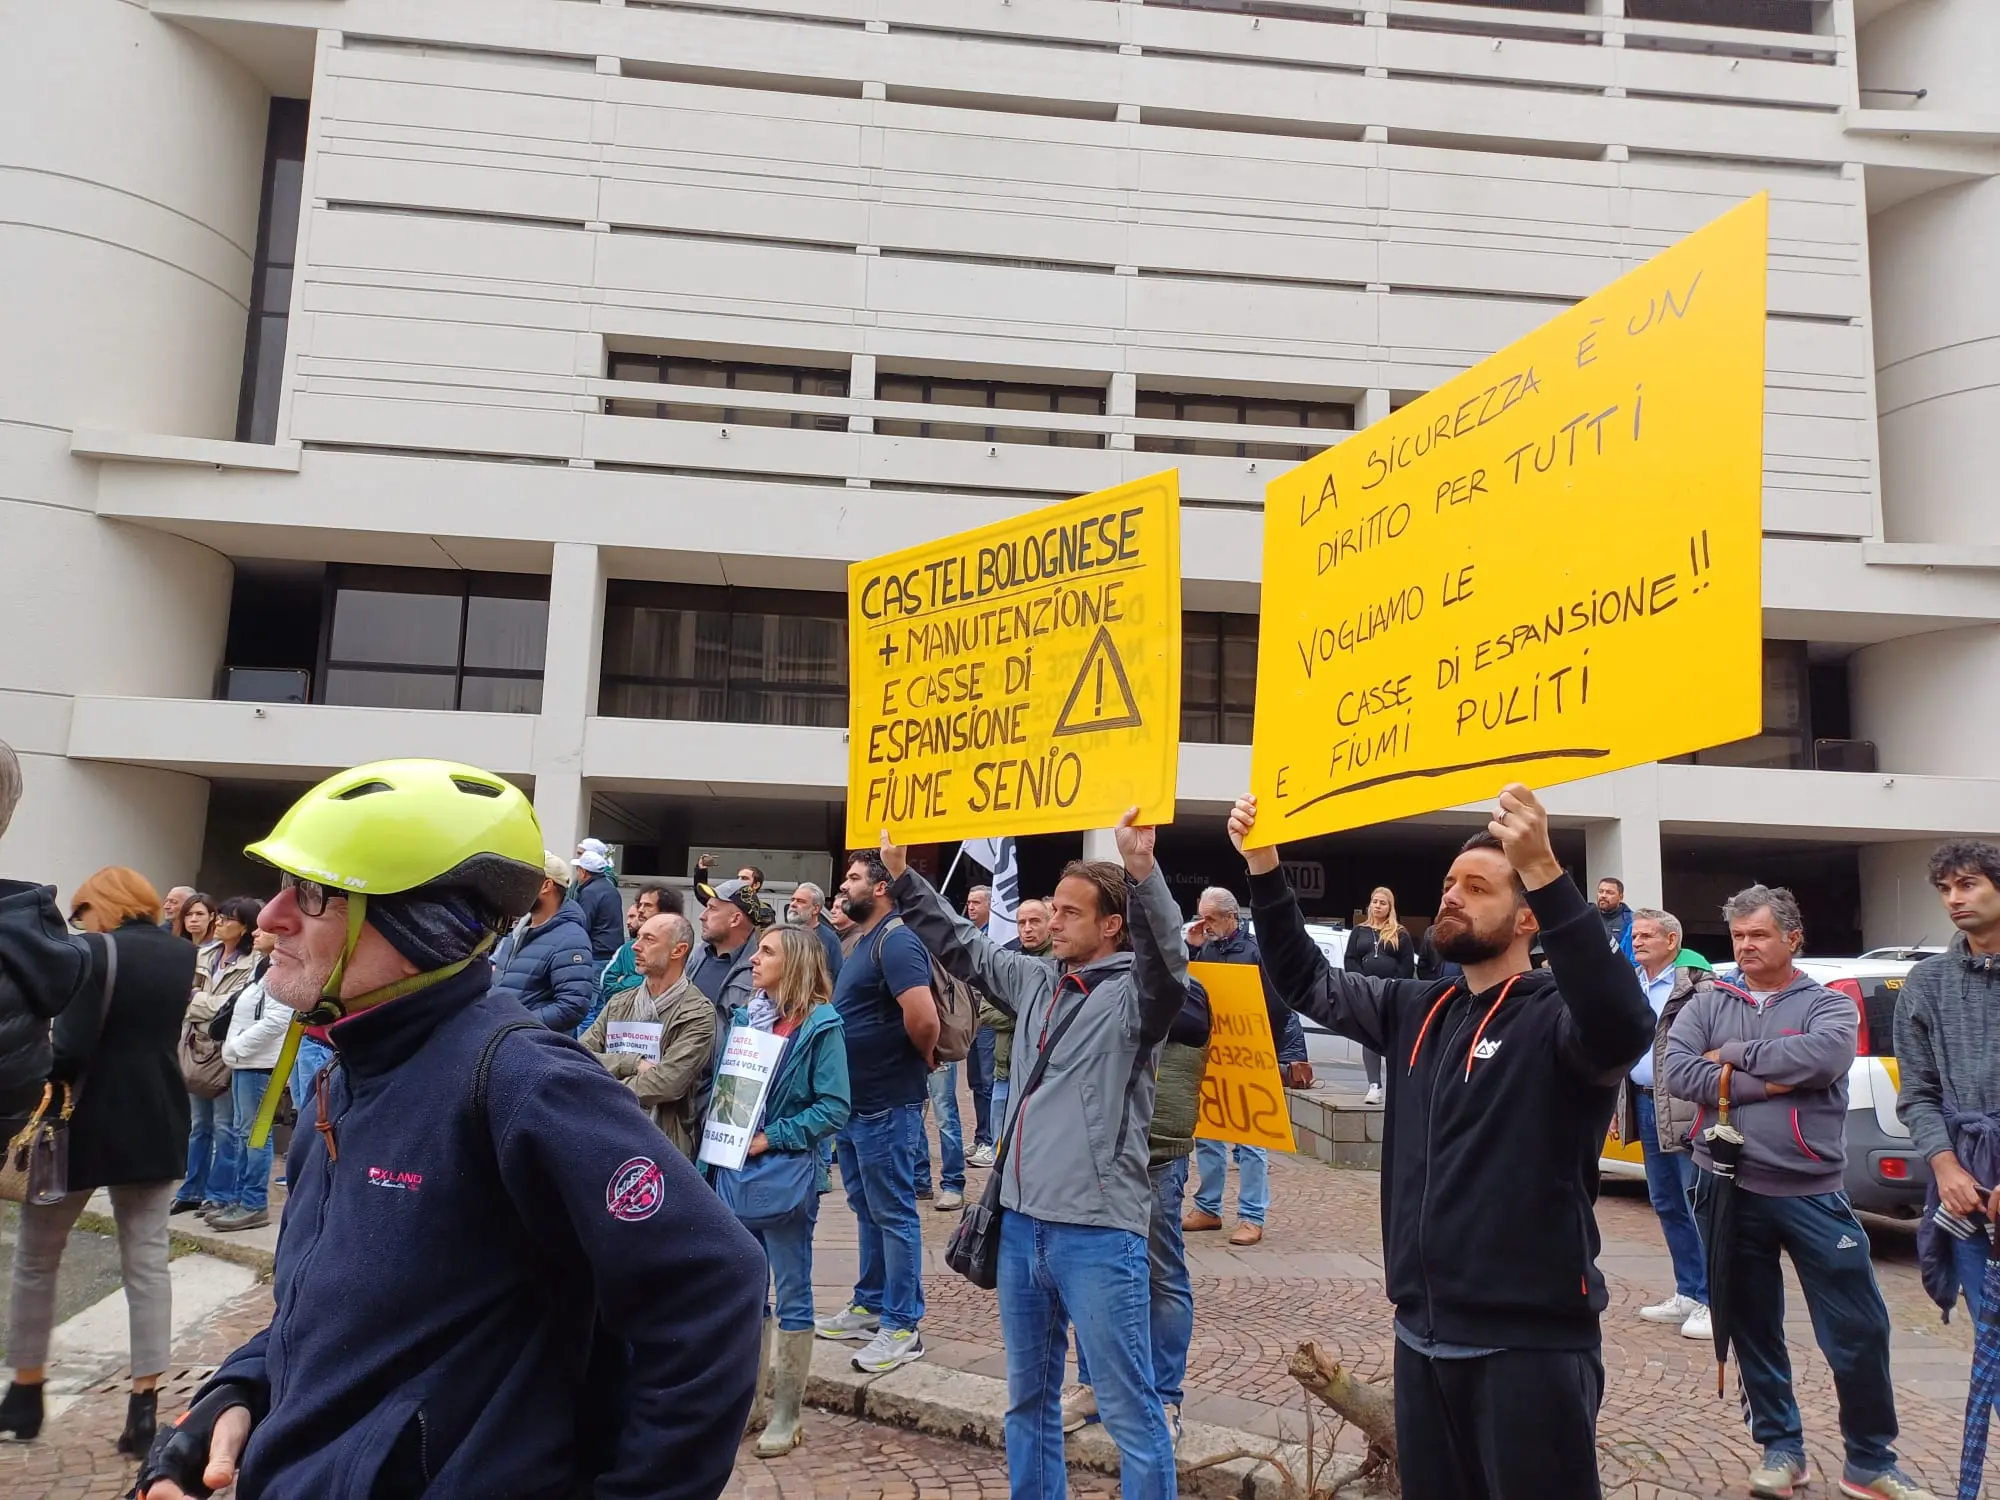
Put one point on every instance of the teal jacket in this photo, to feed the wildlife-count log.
(809, 1098)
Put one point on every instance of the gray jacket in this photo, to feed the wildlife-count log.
(1948, 1042)
(1795, 1144)
(1079, 1150)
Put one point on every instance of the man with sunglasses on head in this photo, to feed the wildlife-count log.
(1500, 1088)
(495, 1280)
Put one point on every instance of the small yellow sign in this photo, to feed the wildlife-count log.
(1501, 581)
(1021, 678)
(1243, 1093)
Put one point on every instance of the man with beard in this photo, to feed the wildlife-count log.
(1500, 1087)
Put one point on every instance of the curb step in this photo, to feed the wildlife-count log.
(967, 1408)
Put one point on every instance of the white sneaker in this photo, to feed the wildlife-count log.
(1374, 1094)
(1079, 1405)
(1174, 1423)
(1697, 1326)
(890, 1350)
(849, 1323)
(1676, 1309)
(982, 1156)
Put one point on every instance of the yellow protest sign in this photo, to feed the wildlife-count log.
(1021, 678)
(1496, 582)
(1243, 1092)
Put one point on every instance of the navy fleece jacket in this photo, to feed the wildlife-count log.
(552, 1304)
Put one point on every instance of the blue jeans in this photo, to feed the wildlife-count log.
(206, 1182)
(1968, 1258)
(943, 1085)
(878, 1167)
(1169, 1292)
(1002, 1088)
(313, 1056)
(1667, 1185)
(1253, 1184)
(1829, 1250)
(1098, 1277)
(979, 1073)
(789, 1250)
(243, 1175)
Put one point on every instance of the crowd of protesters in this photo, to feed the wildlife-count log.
(161, 1021)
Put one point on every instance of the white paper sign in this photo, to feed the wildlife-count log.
(635, 1038)
(737, 1106)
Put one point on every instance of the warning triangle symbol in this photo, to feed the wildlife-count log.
(1102, 697)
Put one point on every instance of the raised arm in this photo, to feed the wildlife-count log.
(1159, 945)
(1608, 1025)
(1349, 1005)
(1009, 980)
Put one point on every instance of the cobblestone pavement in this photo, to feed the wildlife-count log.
(1663, 1433)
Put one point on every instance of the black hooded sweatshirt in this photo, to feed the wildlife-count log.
(1495, 1118)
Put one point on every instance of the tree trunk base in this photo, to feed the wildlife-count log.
(1370, 1407)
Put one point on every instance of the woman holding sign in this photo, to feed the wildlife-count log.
(776, 1192)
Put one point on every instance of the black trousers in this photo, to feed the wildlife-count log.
(1509, 1426)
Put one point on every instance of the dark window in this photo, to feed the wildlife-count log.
(1786, 741)
(726, 375)
(1759, 15)
(733, 656)
(999, 395)
(271, 279)
(1218, 677)
(418, 638)
(1255, 411)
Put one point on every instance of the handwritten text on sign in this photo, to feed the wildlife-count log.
(1243, 1092)
(1021, 678)
(1487, 585)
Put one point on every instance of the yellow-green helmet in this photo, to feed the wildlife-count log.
(395, 825)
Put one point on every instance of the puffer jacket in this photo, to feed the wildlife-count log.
(1080, 1151)
(549, 969)
(1673, 1119)
(42, 967)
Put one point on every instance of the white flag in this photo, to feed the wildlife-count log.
(998, 856)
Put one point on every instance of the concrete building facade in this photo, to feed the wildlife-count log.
(515, 381)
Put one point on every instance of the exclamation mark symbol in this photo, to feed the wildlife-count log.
(1698, 558)
(1100, 689)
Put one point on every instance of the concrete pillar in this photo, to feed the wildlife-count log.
(1371, 408)
(1927, 701)
(1937, 308)
(1899, 905)
(1628, 846)
(570, 671)
(150, 129)
(1101, 843)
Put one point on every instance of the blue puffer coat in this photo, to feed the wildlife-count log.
(549, 969)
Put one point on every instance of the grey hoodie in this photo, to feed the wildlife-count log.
(1079, 1150)
(1948, 1042)
(1795, 1144)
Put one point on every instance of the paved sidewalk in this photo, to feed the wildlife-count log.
(1663, 1434)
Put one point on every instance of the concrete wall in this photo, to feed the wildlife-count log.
(130, 160)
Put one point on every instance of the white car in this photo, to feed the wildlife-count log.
(1885, 1172)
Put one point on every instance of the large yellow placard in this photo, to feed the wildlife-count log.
(1243, 1092)
(1518, 576)
(1021, 678)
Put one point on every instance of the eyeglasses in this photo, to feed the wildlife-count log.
(311, 895)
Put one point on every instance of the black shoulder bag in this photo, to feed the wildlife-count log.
(974, 1250)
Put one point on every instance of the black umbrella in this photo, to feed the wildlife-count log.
(1725, 1150)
